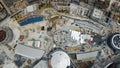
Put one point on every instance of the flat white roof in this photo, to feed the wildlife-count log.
(82, 56)
(75, 35)
(86, 55)
(80, 37)
(60, 60)
(28, 52)
(31, 8)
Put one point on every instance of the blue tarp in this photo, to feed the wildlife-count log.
(31, 20)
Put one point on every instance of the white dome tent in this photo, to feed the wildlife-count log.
(59, 59)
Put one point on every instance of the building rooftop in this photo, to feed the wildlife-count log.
(88, 55)
(97, 13)
(60, 59)
(29, 52)
(75, 35)
(87, 24)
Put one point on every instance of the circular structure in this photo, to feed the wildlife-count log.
(118, 22)
(2, 35)
(114, 41)
(6, 35)
(113, 65)
(60, 59)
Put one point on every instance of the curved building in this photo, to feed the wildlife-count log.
(59, 59)
(113, 65)
(6, 35)
(114, 41)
